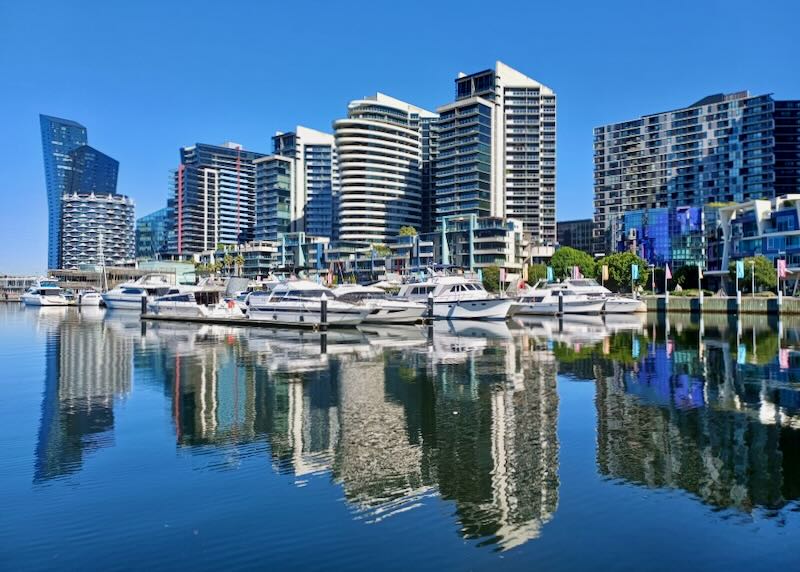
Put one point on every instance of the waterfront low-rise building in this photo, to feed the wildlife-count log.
(769, 228)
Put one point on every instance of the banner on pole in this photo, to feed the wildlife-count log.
(740, 268)
(634, 271)
(781, 268)
(667, 272)
(550, 274)
(605, 271)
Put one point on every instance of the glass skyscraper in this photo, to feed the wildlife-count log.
(59, 138)
(92, 172)
(151, 234)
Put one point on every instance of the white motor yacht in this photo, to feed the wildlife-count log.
(194, 302)
(387, 309)
(45, 292)
(457, 297)
(614, 303)
(128, 296)
(545, 301)
(299, 303)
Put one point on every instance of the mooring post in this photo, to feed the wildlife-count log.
(430, 307)
(560, 303)
(323, 314)
(144, 303)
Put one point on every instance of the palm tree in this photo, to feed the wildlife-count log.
(227, 260)
(239, 261)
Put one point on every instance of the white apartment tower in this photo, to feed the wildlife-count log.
(380, 152)
(497, 151)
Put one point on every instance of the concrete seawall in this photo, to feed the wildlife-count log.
(724, 305)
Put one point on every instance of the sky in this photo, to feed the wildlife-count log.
(148, 77)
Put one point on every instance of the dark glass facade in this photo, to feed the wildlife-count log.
(464, 161)
(59, 138)
(92, 172)
(151, 234)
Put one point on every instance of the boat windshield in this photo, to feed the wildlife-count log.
(359, 296)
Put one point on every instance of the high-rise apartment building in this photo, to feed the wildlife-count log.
(380, 151)
(276, 202)
(723, 148)
(213, 197)
(316, 180)
(59, 138)
(97, 229)
(497, 151)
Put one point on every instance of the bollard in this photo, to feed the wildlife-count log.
(144, 304)
(323, 314)
(430, 306)
(560, 303)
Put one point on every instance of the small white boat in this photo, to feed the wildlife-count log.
(46, 292)
(299, 303)
(458, 298)
(188, 302)
(545, 301)
(614, 303)
(88, 297)
(386, 309)
(128, 296)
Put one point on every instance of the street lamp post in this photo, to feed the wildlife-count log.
(753, 278)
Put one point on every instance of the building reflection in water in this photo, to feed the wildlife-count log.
(465, 414)
(88, 367)
(705, 408)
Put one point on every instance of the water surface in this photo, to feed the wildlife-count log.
(623, 443)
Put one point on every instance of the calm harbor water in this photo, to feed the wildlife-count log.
(626, 444)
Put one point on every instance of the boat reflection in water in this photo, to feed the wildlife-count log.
(402, 417)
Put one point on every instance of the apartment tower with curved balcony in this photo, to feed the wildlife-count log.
(381, 154)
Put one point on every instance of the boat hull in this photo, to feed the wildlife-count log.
(550, 308)
(121, 302)
(393, 313)
(44, 300)
(623, 306)
(485, 309)
(306, 315)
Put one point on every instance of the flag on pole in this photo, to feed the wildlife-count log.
(634, 271)
(550, 274)
(502, 275)
(699, 272)
(781, 268)
(667, 272)
(605, 272)
(576, 273)
(740, 268)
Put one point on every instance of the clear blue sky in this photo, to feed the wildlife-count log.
(147, 77)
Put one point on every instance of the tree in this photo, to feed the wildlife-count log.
(381, 249)
(619, 270)
(536, 272)
(407, 231)
(566, 257)
(227, 261)
(491, 278)
(239, 261)
(766, 277)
